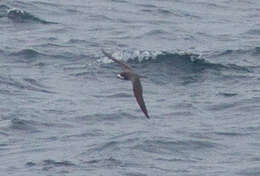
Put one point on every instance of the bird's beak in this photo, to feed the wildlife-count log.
(119, 76)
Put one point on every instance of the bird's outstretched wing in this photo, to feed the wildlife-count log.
(138, 92)
(137, 87)
(123, 65)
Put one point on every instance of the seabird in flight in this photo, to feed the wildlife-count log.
(129, 74)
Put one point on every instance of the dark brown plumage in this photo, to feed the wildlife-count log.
(129, 74)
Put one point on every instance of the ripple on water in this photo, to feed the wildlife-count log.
(26, 84)
(24, 125)
(250, 171)
(49, 164)
(22, 16)
(171, 147)
(26, 53)
(109, 162)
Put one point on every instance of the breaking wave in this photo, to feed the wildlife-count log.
(183, 60)
(21, 16)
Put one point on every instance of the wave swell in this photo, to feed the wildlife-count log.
(26, 53)
(21, 16)
(26, 84)
(180, 60)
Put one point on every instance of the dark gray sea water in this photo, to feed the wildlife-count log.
(64, 112)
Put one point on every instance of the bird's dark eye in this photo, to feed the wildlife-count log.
(124, 75)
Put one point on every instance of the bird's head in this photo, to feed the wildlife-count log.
(124, 75)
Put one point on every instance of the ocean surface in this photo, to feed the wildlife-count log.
(64, 112)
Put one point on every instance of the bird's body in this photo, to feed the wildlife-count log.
(129, 74)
